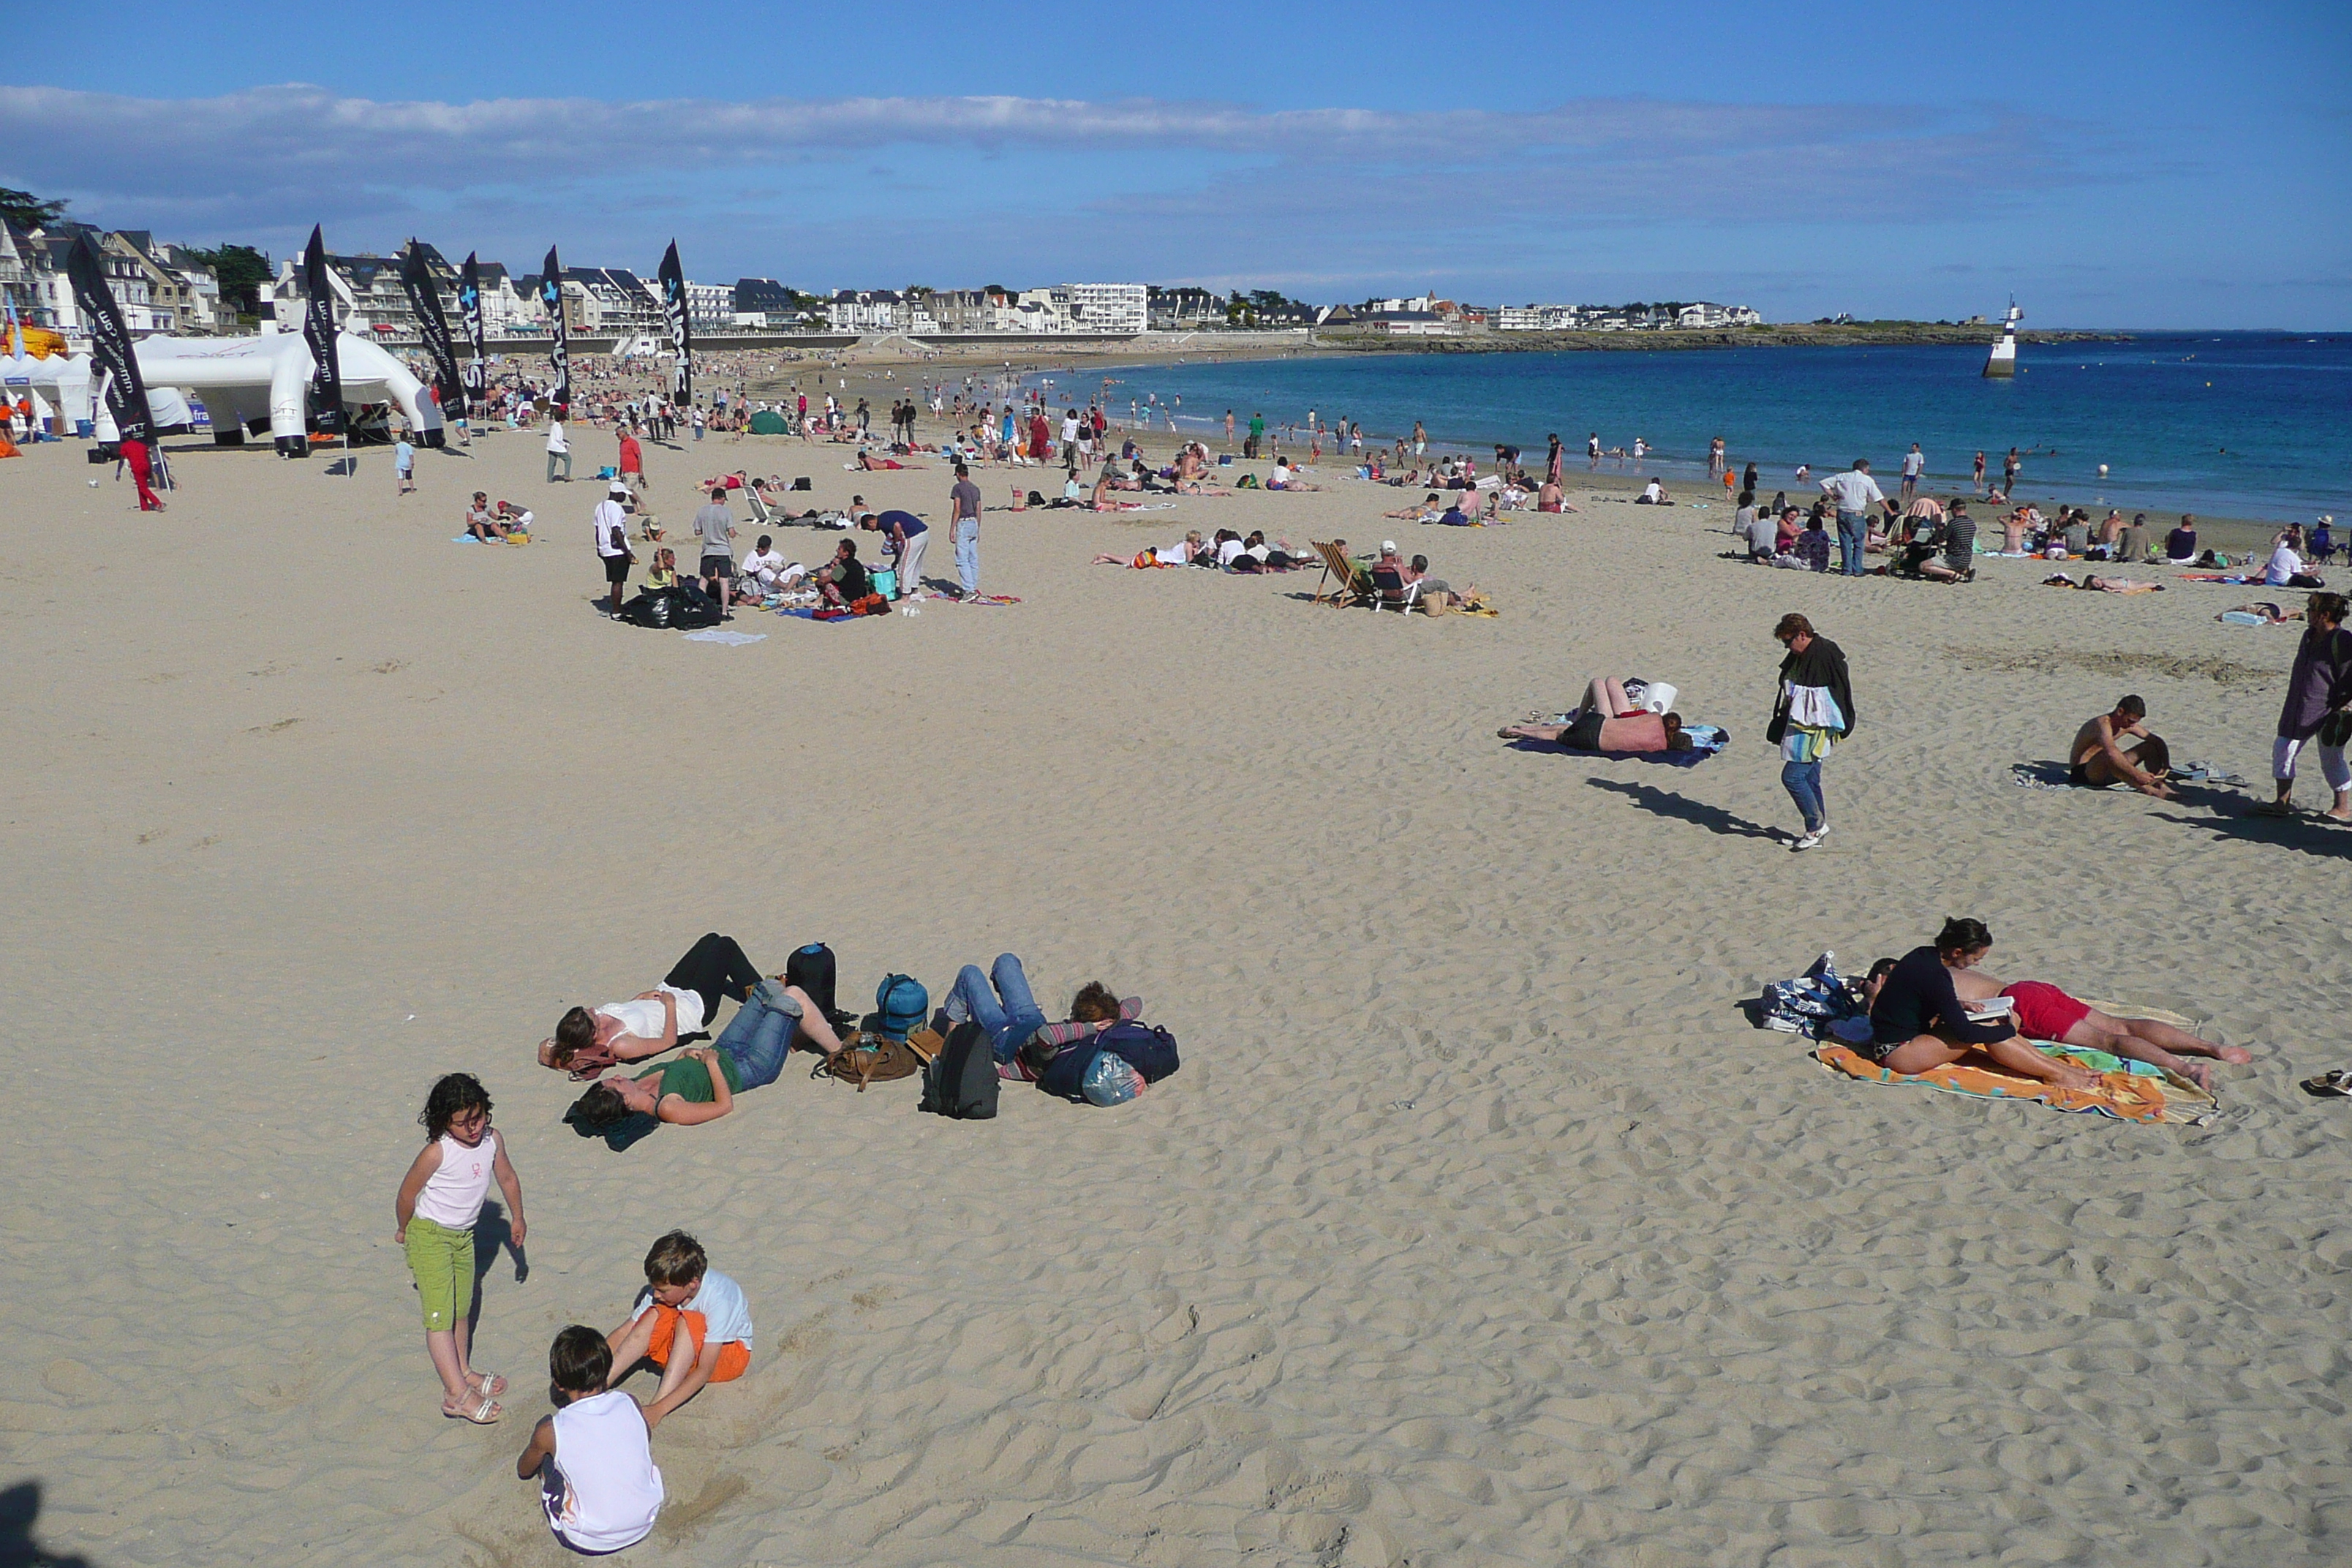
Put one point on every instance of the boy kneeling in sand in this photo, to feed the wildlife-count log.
(593, 1458)
(684, 1292)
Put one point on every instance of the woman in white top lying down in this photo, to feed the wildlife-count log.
(587, 1040)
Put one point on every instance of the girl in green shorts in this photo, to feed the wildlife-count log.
(439, 1200)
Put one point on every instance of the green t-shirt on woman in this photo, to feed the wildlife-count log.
(690, 1079)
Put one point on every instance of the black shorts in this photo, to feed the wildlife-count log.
(718, 566)
(2079, 775)
(616, 568)
(1584, 733)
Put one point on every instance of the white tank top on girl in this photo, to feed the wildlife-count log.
(611, 1488)
(453, 1194)
(644, 1019)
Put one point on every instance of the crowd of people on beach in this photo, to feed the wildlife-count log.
(689, 1324)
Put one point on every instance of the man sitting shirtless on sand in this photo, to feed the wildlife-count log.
(2099, 757)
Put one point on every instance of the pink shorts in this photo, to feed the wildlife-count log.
(2045, 1012)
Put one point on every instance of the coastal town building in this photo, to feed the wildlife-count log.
(1106, 307)
(865, 310)
(710, 307)
(762, 303)
(1182, 309)
(367, 289)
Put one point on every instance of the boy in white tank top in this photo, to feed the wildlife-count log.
(593, 1458)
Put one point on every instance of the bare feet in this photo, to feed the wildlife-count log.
(2237, 1054)
(2199, 1073)
(2066, 1076)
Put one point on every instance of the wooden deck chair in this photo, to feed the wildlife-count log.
(1347, 583)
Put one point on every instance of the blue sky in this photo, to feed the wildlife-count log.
(2155, 164)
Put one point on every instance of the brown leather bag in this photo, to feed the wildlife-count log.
(866, 1059)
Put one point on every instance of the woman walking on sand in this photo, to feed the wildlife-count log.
(1815, 710)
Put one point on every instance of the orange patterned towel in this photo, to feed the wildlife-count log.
(2130, 1091)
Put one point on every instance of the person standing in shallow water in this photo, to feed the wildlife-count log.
(1814, 711)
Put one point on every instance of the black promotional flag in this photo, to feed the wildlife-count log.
(319, 331)
(109, 343)
(469, 304)
(681, 336)
(424, 299)
(550, 298)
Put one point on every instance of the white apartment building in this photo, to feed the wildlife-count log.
(864, 310)
(1106, 307)
(1535, 318)
(1706, 314)
(710, 307)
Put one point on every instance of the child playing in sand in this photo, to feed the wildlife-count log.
(433, 1217)
(682, 1292)
(593, 1458)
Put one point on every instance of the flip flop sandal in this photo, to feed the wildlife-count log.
(480, 1413)
(2335, 1085)
(490, 1383)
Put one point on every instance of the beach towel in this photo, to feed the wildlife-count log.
(2127, 1091)
(726, 639)
(985, 599)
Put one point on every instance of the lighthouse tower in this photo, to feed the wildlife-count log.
(2001, 363)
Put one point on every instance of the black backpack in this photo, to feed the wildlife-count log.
(960, 1081)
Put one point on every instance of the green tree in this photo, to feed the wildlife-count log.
(28, 210)
(242, 272)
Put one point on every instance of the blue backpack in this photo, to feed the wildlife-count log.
(1147, 1049)
(902, 1005)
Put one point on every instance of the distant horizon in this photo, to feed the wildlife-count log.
(2154, 162)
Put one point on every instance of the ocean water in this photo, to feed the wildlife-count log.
(2253, 424)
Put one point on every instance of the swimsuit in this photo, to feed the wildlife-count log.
(2045, 1012)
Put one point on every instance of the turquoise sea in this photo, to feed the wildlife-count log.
(2253, 424)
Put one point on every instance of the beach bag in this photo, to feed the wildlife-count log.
(866, 1059)
(693, 611)
(1147, 1049)
(901, 1005)
(1150, 1051)
(653, 607)
(812, 969)
(962, 1080)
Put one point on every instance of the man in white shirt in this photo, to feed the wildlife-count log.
(1853, 493)
(765, 564)
(557, 452)
(1915, 463)
(612, 526)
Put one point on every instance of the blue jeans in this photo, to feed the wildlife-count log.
(760, 1036)
(1852, 527)
(999, 1001)
(967, 551)
(1804, 782)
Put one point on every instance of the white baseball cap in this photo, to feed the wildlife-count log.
(1388, 546)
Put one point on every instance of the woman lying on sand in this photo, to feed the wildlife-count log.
(1607, 721)
(2043, 1012)
(1179, 553)
(1918, 1023)
(585, 1042)
(2098, 584)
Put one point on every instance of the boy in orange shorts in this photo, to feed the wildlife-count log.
(683, 1295)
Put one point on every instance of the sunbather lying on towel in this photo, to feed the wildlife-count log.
(2043, 1012)
(585, 1042)
(1427, 511)
(2267, 610)
(1608, 720)
(1918, 1023)
(1179, 553)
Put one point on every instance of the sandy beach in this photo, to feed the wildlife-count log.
(1480, 1226)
